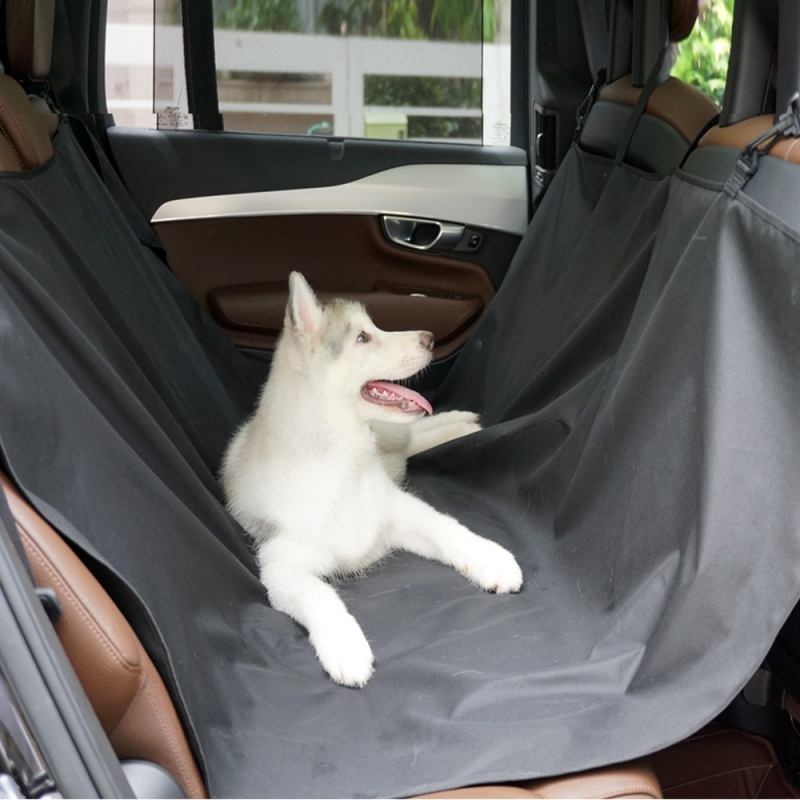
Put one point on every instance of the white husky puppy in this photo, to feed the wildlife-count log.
(310, 474)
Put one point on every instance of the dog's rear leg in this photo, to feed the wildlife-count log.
(421, 529)
(337, 638)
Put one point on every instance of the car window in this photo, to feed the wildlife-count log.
(702, 58)
(423, 70)
(129, 62)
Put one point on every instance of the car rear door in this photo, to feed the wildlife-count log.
(307, 150)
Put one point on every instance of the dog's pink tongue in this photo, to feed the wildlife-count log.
(405, 395)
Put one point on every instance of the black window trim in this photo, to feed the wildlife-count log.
(200, 59)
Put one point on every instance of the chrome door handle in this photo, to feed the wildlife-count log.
(422, 234)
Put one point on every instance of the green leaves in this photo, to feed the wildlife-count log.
(261, 15)
(451, 20)
(703, 58)
(393, 18)
(464, 20)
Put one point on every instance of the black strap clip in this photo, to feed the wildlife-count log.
(788, 124)
(591, 98)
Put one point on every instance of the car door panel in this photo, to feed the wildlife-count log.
(159, 165)
(233, 242)
(237, 268)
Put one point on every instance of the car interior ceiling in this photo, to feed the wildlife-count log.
(655, 288)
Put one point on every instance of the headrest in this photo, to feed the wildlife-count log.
(681, 106)
(29, 37)
(682, 17)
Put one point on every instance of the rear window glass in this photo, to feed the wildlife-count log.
(425, 70)
(702, 58)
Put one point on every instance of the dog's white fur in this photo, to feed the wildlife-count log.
(312, 475)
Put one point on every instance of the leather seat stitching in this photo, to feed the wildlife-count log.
(174, 749)
(173, 745)
(719, 775)
(23, 135)
(791, 147)
(78, 606)
(620, 791)
(11, 145)
(764, 780)
(707, 735)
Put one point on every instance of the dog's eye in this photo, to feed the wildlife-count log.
(363, 338)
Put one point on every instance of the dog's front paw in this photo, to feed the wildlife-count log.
(464, 428)
(492, 567)
(344, 652)
(468, 419)
(454, 424)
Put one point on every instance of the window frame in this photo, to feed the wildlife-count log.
(201, 77)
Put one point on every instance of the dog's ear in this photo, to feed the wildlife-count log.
(303, 311)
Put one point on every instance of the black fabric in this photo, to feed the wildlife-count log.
(116, 188)
(638, 376)
(594, 24)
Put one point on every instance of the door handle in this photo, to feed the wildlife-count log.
(421, 234)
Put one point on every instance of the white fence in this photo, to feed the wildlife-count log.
(346, 59)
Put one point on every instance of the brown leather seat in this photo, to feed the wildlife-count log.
(116, 673)
(683, 107)
(675, 112)
(635, 779)
(740, 134)
(719, 761)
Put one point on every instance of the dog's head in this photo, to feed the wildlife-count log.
(354, 361)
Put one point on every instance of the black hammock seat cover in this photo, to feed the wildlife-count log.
(638, 379)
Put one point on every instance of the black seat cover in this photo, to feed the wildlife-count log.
(638, 378)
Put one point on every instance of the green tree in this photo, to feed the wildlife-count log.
(703, 58)
(452, 20)
(393, 18)
(261, 15)
(464, 20)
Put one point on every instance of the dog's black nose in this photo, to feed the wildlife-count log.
(427, 340)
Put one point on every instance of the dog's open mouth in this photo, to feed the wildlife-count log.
(384, 393)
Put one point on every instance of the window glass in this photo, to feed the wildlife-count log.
(427, 70)
(129, 62)
(702, 58)
(170, 101)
